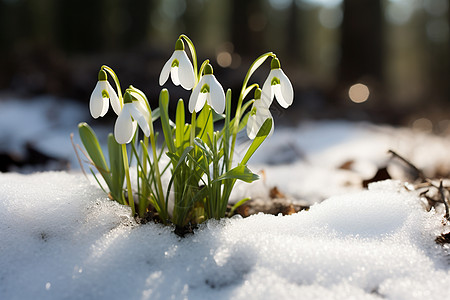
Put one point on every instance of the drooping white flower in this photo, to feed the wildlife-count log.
(277, 84)
(179, 67)
(207, 90)
(130, 116)
(258, 115)
(102, 94)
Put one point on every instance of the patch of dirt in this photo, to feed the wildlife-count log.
(382, 174)
(278, 204)
(443, 239)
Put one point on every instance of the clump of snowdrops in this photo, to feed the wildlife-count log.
(200, 161)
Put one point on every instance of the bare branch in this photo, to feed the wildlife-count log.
(444, 199)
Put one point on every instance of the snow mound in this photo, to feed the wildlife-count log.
(62, 238)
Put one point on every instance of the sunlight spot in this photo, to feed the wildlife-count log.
(399, 13)
(280, 4)
(48, 285)
(330, 17)
(359, 93)
(423, 125)
(224, 59)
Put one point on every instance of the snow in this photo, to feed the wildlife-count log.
(45, 123)
(62, 238)
(313, 153)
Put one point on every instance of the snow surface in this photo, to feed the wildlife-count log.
(61, 238)
(313, 152)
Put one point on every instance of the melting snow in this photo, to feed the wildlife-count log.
(62, 238)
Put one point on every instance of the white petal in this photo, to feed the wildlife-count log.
(174, 75)
(142, 107)
(277, 91)
(266, 92)
(139, 117)
(97, 105)
(271, 130)
(286, 91)
(165, 71)
(185, 70)
(202, 97)
(260, 119)
(115, 103)
(251, 132)
(194, 96)
(261, 108)
(217, 100)
(124, 128)
(255, 122)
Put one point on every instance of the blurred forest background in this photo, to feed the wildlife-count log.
(375, 60)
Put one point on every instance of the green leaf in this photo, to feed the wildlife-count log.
(205, 124)
(217, 117)
(227, 131)
(165, 122)
(116, 165)
(156, 113)
(244, 121)
(260, 137)
(90, 142)
(176, 170)
(205, 149)
(187, 134)
(237, 204)
(180, 122)
(183, 156)
(241, 172)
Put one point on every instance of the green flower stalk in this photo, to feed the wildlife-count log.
(201, 163)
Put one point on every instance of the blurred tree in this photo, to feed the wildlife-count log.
(246, 42)
(361, 41)
(294, 34)
(80, 29)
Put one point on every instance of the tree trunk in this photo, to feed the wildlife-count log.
(361, 43)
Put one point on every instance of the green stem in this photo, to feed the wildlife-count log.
(194, 56)
(127, 176)
(244, 91)
(162, 203)
(145, 189)
(116, 80)
(193, 125)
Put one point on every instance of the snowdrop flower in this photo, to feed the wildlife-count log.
(258, 115)
(180, 68)
(277, 84)
(130, 115)
(102, 94)
(208, 89)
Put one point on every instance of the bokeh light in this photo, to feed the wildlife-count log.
(330, 17)
(423, 125)
(359, 93)
(224, 59)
